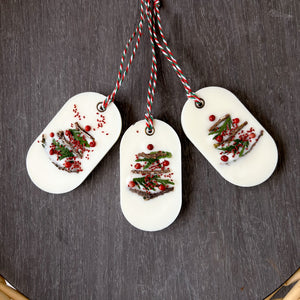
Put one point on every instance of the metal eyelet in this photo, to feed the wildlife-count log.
(149, 132)
(100, 107)
(200, 104)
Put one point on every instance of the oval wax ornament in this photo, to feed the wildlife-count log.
(73, 143)
(150, 176)
(229, 137)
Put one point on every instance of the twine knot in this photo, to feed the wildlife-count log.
(156, 4)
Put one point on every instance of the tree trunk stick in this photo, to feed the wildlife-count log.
(260, 135)
(218, 122)
(150, 172)
(152, 155)
(234, 132)
(78, 127)
(61, 135)
(148, 196)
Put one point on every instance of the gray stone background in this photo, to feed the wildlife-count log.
(228, 242)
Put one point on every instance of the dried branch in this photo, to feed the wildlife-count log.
(61, 135)
(148, 196)
(218, 122)
(150, 172)
(78, 127)
(153, 155)
(234, 132)
(260, 135)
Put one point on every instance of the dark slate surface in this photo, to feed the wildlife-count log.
(228, 242)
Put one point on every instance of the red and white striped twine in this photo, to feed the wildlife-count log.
(169, 55)
(153, 17)
(153, 73)
(121, 76)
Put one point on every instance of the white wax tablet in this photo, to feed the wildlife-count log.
(150, 176)
(73, 143)
(229, 137)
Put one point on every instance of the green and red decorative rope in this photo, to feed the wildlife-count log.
(153, 17)
(169, 55)
(153, 74)
(121, 76)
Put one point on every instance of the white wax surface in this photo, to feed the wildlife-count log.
(47, 176)
(157, 213)
(249, 170)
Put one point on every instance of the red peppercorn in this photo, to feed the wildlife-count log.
(87, 128)
(236, 120)
(162, 187)
(68, 164)
(252, 135)
(212, 118)
(51, 134)
(219, 138)
(131, 184)
(51, 152)
(150, 147)
(92, 143)
(224, 158)
(165, 163)
(137, 165)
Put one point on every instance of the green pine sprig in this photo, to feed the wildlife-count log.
(140, 181)
(151, 161)
(78, 137)
(64, 151)
(234, 148)
(218, 130)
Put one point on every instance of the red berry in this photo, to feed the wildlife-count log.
(52, 134)
(137, 165)
(224, 158)
(131, 184)
(92, 143)
(51, 152)
(212, 118)
(68, 132)
(219, 138)
(87, 128)
(252, 135)
(68, 164)
(150, 147)
(165, 163)
(236, 120)
(162, 187)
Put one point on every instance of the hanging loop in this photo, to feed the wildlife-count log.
(122, 73)
(100, 107)
(149, 131)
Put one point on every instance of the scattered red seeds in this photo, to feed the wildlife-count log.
(224, 158)
(51, 134)
(68, 164)
(236, 120)
(87, 128)
(212, 118)
(92, 143)
(131, 184)
(137, 166)
(51, 152)
(150, 147)
(165, 163)
(162, 187)
(252, 135)
(219, 138)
